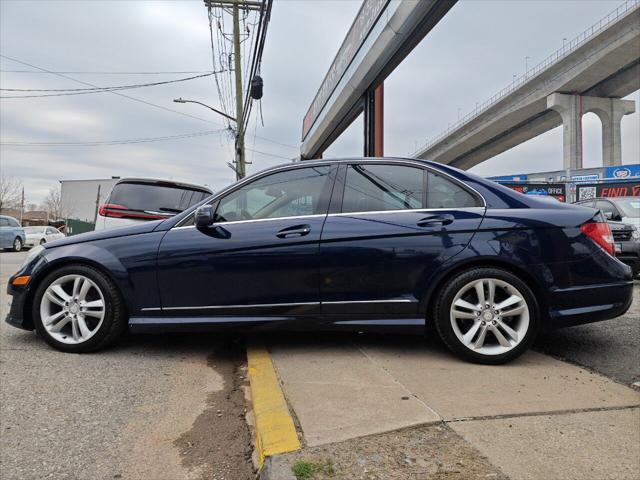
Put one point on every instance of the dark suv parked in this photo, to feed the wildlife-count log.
(623, 216)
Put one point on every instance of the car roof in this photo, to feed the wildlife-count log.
(9, 216)
(331, 161)
(166, 183)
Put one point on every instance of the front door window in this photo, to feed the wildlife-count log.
(293, 193)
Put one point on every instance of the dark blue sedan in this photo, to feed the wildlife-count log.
(362, 244)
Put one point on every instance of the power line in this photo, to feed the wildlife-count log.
(99, 143)
(79, 72)
(115, 93)
(84, 91)
(268, 154)
(138, 100)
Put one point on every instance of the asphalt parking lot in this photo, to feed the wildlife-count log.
(172, 407)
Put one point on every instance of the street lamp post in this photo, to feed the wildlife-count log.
(239, 167)
(182, 100)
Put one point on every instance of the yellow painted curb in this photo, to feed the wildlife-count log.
(275, 431)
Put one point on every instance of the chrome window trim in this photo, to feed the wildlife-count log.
(348, 161)
(415, 210)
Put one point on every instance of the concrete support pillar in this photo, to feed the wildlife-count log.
(568, 106)
(610, 111)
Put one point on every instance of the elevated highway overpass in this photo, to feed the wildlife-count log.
(589, 74)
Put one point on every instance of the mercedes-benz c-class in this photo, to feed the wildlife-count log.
(360, 244)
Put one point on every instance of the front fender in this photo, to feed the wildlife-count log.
(130, 262)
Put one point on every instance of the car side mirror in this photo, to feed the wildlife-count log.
(204, 216)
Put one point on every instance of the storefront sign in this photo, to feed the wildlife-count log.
(608, 189)
(585, 178)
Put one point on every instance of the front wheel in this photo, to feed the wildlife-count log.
(487, 315)
(17, 244)
(78, 309)
(43, 241)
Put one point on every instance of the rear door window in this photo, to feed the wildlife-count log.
(445, 193)
(145, 197)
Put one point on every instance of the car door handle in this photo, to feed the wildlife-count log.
(444, 219)
(296, 230)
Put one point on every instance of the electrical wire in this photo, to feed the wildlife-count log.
(99, 143)
(129, 97)
(75, 72)
(84, 91)
(139, 100)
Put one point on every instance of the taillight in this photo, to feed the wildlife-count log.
(111, 210)
(600, 233)
(120, 211)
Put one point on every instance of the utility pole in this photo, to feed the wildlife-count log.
(95, 213)
(22, 206)
(237, 60)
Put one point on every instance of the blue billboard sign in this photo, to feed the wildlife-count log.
(622, 172)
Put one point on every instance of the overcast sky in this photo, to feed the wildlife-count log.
(474, 52)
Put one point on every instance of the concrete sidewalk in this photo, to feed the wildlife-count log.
(534, 418)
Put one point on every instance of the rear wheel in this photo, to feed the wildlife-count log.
(487, 315)
(17, 244)
(78, 309)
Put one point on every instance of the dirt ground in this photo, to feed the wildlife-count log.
(431, 452)
(219, 443)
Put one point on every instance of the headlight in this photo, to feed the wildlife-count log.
(33, 253)
(635, 233)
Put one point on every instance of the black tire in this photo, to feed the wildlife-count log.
(17, 244)
(445, 297)
(43, 241)
(115, 318)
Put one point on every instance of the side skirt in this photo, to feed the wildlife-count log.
(156, 324)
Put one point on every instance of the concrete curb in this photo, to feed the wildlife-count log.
(274, 428)
(276, 468)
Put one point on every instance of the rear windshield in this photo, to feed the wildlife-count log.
(155, 198)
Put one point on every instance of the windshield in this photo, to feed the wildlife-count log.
(147, 197)
(33, 229)
(629, 207)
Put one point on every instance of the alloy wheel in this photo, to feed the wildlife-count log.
(72, 309)
(17, 244)
(489, 316)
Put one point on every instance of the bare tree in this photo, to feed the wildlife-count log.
(10, 193)
(54, 206)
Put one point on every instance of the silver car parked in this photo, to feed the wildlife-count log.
(11, 233)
